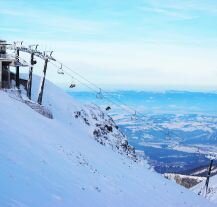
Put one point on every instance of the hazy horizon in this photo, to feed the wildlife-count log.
(153, 43)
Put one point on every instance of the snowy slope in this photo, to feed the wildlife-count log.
(57, 162)
(212, 191)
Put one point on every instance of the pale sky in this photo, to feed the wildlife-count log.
(127, 44)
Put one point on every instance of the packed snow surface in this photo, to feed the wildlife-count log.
(57, 162)
(211, 192)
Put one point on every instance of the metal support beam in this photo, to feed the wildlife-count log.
(9, 77)
(17, 70)
(29, 83)
(1, 74)
(37, 53)
(208, 175)
(41, 88)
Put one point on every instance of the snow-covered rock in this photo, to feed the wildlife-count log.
(104, 129)
(187, 181)
(56, 162)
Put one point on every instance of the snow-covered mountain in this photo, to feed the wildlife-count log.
(76, 157)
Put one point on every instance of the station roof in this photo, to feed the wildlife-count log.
(4, 42)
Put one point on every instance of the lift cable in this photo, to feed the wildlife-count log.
(98, 90)
(122, 105)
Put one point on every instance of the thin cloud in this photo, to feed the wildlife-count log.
(168, 12)
(12, 12)
(183, 10)
(49, 20)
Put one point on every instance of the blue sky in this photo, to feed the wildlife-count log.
(127, 43)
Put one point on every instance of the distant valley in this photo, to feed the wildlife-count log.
(175, 130)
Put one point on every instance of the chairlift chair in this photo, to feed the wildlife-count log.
(99, 95)
(133, 117)
(168, 135)
(60, 70)
(72, 85)
(108, 108)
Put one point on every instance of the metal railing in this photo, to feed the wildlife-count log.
(6, 56)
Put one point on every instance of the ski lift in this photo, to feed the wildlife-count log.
(168, 135)
(133, 117)
(72, 85)
(108, 108)
(18, 44)
(47, 54)
(32, 46)
(60, 70)
(211, 156)
(99, 95)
